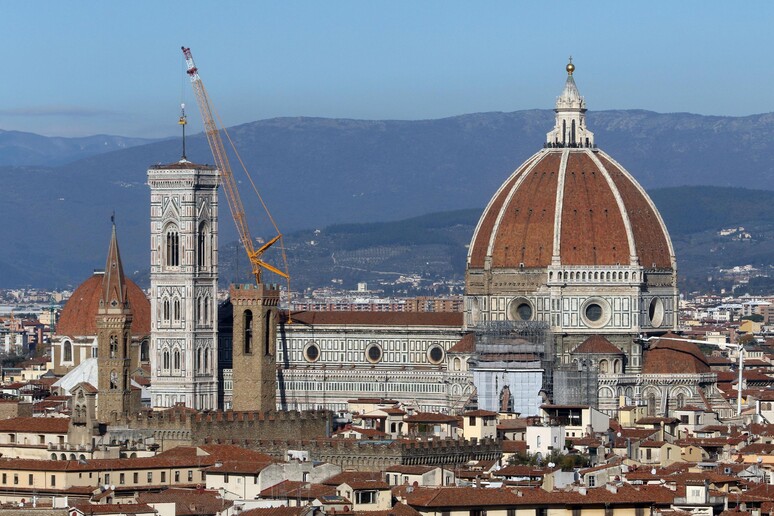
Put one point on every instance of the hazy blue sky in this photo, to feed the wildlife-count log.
(87, 67)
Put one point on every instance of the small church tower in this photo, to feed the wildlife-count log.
(254, 347)
(114, 318)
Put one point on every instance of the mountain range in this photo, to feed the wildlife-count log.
(316, 172)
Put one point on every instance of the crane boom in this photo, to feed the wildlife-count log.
(227, 177)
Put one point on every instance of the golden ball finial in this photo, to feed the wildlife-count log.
(570, 67)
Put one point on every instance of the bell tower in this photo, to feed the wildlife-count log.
(114, 318)
(254, 347)
(184, 285)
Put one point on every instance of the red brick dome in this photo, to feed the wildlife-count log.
(80, 312)
(673, 356)
(576, 205)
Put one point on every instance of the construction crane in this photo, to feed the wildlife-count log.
(232, 193)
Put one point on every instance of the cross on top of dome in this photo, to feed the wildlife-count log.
(570, 129)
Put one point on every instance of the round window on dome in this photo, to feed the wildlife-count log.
(521, 310)
(435, 354)
(311, 352)
(374, 353)
(656, 312)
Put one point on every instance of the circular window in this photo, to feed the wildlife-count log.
(521, 310)
(595, 313)
(435, 354)
(311, 352)
(656, 312)
(374, 353)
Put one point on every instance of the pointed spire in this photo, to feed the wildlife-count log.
(570, 129)
(113, 284)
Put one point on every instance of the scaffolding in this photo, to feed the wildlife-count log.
(513, 349)
(577, 384)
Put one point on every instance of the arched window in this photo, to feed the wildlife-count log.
(199, 360)
(67, 354)
(616, 366)
(680, 400)
(165, 360)
(173, 247)
(248, 331)
(201, 245)
(176, 312)
(166, 310)
(206, 310)
(176, 360)
(113, 346)
(206, 360)
(113, 379)
(603, 366)
(144, 355)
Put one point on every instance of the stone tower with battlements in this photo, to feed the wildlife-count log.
(184, 285)
(254, 346)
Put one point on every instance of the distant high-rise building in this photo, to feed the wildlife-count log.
(184, 282)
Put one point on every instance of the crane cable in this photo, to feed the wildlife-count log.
(257, 193)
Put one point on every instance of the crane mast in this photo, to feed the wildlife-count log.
(227, 177)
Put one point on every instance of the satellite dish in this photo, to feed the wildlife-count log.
(619, 434)
(653, 471)
(113, 487)
(551, 465)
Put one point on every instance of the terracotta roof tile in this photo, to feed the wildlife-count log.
(597, 344)
(79, 315)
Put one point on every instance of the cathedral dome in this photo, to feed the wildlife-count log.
(79, 315)
(570, 206)
(571, 239)
(673, 356)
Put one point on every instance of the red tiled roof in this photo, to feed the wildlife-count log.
(430, 417)
(275, 511)
(352, 476)
(517, 228)
(480, 413)
(674, 357)
(466, 344)
(79, 315)
(188, 502)
(116, 508)
(597, 344)
(410, 470)
(514, 446)
(43, 425)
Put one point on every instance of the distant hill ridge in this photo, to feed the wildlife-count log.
(317, 172)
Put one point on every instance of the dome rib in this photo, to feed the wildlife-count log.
(479, 249)
(593, 231)
(556, 253)
(651, 237)
(621, 208)
(526, 213)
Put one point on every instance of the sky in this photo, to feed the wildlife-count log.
(108, 67)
